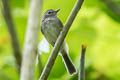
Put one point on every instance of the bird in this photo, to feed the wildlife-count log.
(51, 26)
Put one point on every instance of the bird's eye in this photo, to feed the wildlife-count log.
(49, 12)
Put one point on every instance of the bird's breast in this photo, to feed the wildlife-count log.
(51, 30)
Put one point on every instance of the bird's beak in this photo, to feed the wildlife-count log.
(56, 11)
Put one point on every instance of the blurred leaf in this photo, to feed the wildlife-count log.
(43, 46)
(112, 8)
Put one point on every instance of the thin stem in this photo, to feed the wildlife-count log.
(40, 67)
(82, 64)
(12, 31)
(60, 40)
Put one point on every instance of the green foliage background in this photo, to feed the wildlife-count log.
(96, 25)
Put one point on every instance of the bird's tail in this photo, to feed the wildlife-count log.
(69, 65)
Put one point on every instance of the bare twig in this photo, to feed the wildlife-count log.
(60, 40)
(11, 28)
(82, 64)
(31, 41)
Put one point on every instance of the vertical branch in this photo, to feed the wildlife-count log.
(11, 29)
(82, 64)
(31, 41)
(39, 65)
(60, 40)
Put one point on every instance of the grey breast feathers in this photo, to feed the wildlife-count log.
(51, 28)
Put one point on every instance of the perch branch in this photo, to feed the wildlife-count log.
(31, 41)
(60, 40)
(82, 64)
(11, 28)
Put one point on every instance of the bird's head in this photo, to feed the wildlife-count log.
(51, 13)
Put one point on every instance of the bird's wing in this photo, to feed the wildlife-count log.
(42, 27)
(42, 30)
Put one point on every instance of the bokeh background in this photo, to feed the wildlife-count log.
(97, 25)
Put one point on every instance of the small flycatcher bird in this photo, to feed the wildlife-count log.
(51, 27)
